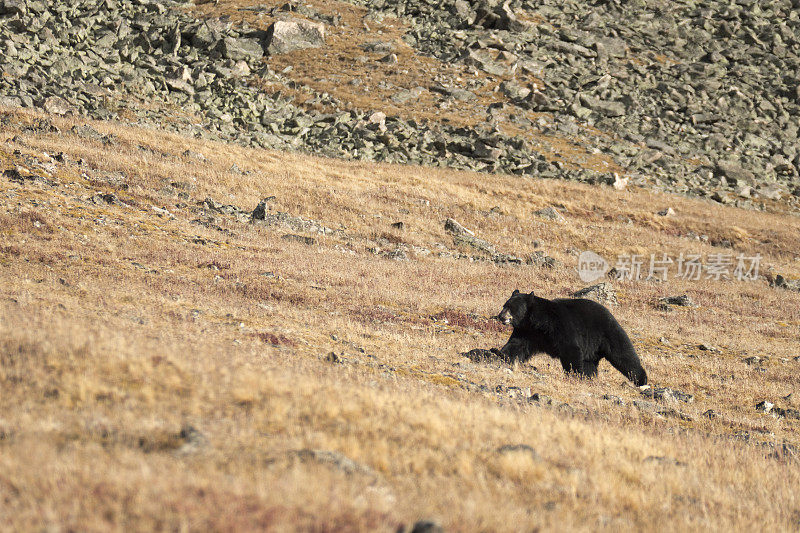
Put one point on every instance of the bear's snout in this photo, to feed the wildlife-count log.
(504, 317)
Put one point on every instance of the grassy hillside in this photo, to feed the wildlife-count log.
(166, 363)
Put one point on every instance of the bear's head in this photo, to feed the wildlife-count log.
(516, 309)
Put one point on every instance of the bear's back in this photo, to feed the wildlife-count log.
(586, 312)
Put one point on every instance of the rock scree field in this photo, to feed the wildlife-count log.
(251, 255)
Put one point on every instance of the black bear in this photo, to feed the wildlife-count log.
(578, 332)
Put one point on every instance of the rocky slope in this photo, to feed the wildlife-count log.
(694, 97)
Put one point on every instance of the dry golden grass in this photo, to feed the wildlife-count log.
(123, 331)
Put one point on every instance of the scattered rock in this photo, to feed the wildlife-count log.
(540, 398)
(764, 406)
(426, 526)
(57, 106)
(550, 213)
(683, 300)
(690, 110)
(603, 293)
(107, 198)
(540, 259)
(722, 197)
(616, 400)
(668, 212)
(734, 173)
(333, 358)
(607, 108)
(303, 239)
(785, 283)
(402, 97)
(285, 36)
(193, 439)
(194, 155)
(463, 236)
(261, 210)
(620, 183)
(665, 394)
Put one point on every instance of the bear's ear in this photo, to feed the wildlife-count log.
(515, 292)
(531, 294)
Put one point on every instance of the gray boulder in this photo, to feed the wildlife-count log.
(285, 36)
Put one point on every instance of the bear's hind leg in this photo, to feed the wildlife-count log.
(589, 369)
(626, 361)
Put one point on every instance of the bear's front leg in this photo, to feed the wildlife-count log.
(572, 361)
(516, 349)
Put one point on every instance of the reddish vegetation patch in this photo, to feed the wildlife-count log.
(373, 315)
(277, 340)
(457, 318)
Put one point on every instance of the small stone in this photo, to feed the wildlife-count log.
(668, 212)
(378, 46)
(514, 90)
(602, 292)
(733, 172)
(57, 105)
(683, 301)
(303, 239)
(772, 191)
(722, 197)
(285, 36)
(765, 406)
(260, 212)
(193, 439)
(620, 183)
(462, 95)
(389, 58)
(607, 108)
(616, 400)
(540, 398)
(550, 213)
(378, 118)
(707, 348)
(451, 226)
(426, 526)
(401, 97)
(194, 155)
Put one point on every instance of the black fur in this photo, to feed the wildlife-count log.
(577, 332)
